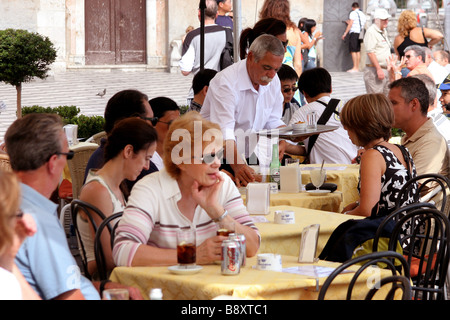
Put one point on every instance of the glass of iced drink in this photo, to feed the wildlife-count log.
(186, 247)
(225, 228)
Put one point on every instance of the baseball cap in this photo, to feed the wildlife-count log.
(381, 13)
(445, 85)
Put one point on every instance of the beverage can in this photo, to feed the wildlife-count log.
(242, 246)
(230, 257)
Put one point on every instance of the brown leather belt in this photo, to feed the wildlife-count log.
(371, 65)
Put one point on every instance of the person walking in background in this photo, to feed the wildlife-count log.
(215, 40)
(355, 25)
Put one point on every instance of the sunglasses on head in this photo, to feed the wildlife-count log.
(287, 90)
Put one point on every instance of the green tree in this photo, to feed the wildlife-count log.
(23, 56)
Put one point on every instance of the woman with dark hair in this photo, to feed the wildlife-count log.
(271, 26)
(280, 9)
(128, 151)
(313, 37)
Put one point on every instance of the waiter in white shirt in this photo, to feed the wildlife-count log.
(245, 98)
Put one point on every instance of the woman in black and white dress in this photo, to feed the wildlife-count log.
(384, 169)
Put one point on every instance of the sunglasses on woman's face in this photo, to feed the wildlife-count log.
(209, 158)
(287, 90)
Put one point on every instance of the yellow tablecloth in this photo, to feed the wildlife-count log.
(250, 283)
(344, 175)
(328, 202)
(285, 238)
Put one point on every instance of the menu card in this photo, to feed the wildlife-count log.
(308, 245)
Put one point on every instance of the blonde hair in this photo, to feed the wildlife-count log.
(186, 127)
(406, 22)
(369, 116)
(9, 203)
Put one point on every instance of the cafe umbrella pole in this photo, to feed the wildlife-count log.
(202, 34)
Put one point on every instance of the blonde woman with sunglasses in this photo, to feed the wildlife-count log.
(190, 192)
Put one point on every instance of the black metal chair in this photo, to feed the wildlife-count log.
(396, 283)
(385, 260)
(395, 216)
(423, 234)
(432, 187)
(89, 210)
(98, 248)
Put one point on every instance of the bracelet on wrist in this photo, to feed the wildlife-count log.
(221, 217)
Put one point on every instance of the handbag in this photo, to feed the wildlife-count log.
(362, 32)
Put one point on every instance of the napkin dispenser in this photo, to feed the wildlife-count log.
(289, 179)
(258, 198)
(71, 131)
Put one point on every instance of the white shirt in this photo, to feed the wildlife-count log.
(439, 72)
(157, 161)
(9, 286)
(239, 109)
(357, 16)
(441, 122)
(152, 216)
(334, 146)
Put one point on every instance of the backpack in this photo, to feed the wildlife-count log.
(226, 57)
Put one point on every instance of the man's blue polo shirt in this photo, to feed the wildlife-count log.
(45, 258)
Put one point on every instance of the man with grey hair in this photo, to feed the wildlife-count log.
(415, 61)
(439, 72)
(38, 150)
(442, 57)
(245, 98)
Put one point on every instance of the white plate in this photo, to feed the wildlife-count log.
(318, 192)
(185, 270)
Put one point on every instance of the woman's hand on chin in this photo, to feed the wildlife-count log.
(207, 196)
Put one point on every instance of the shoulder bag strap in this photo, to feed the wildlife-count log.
(330, 108)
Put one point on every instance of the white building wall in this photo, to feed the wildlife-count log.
(63, 22)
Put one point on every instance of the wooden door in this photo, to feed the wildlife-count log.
(115, 32)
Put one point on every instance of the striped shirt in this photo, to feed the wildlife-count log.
(152, 216)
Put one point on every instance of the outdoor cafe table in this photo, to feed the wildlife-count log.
(250, 283)
(326, 202)
(285, 239)
(345, 176)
